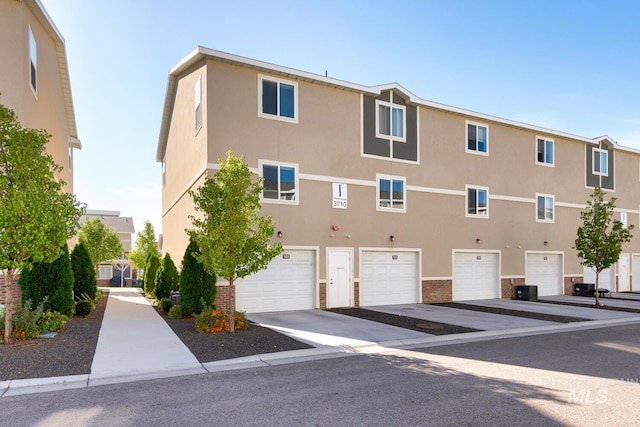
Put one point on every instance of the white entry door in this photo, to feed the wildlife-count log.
(624, 284)
(339, 280)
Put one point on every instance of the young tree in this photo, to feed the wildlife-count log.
(599, 243)
(234, 239)
(196, 284)
(145, 244)
(51, 280)
(167, 278)
(102, 243)
(150, 270)
(36, 215)
(84, 276)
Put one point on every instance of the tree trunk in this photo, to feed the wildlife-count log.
(8, 326)
(232, 307)
(597, 295)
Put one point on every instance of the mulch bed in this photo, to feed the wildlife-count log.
(70, 352)
(420, 325)
(516, 313)
(603, 306)
(224, 345)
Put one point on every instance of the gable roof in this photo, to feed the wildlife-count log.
(45, 20)
(201, 53)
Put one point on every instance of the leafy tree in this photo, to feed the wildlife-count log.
(167, 278)
(102, 243)
(145, 244)
(150, 270)
(36, 215)
(234, 239)
(196, 284)
(84, 276)
(51, 280)
(599, 242)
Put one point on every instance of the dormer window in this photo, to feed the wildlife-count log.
(33, 62)
(600, 162)
(390, 121)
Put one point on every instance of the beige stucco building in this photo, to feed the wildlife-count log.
(382, 197)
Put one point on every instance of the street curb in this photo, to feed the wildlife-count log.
(98, 380)
(41, 385)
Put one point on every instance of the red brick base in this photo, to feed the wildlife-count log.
(434, 291)
(15, 295)
(509, 289)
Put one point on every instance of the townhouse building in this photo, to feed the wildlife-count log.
(382, 197)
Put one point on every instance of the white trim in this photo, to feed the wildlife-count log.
(511, 198)
(553, 151)
(389, 104)
(391, 178)
(296, 194)
(467, 187)
(278, 116)
(466, 138)
(595, 150)
(436, 278)
(389, 159)
(553, 212)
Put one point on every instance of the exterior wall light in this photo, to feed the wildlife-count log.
(478, 241)
(279, 234)
(392, 238)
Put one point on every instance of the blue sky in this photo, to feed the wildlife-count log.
(566, 65)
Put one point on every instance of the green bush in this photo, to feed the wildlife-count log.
(53, 281)
(150, 269)
(166, 278)
(196, 285)
(218, 321)
(176, 312)
(84, 307)
(25, 321)
(84, 273)
(165, 305)
(51, 321)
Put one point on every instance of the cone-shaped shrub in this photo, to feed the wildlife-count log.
(166, 278)
(84, 273)
(53, 280)
(150, 270)
(195, 283)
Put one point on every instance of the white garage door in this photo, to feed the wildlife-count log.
(288, 283)
(635, 273)
(545, 271)
(389, 278)
(606, 280)
(475, 276)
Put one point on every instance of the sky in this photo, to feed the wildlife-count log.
(566, 65)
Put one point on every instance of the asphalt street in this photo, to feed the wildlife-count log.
(586, 377)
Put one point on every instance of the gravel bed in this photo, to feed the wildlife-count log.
(420, 325)
(70, 352)
(516, 313)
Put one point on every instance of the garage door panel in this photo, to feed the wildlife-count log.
(606, 279)
(545, 272)
(635, 273)
(389, 278)
(476, 276)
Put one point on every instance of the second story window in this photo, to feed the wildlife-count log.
(391, 193)
(278, 99)
(477, 138)
(544, 151)
(197, 101)
(390, 121)
(544, 208)
(600, 162)
(477, 202)
(280, 182)
(33, 62)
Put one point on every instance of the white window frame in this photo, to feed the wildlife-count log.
(100, 267)
(466, 138)
(197, 105)
(624, 219)
(277, 116)
(597, 152)
(553, 210)
(164, 171)
(391, 107)
(553, 151)
(466, 201)
(294, 166)
(33, 62)
(391, 178)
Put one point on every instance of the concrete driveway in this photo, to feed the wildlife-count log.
(323, 328)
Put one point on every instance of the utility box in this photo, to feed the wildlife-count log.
(584, 289)
(527, 292)
(174, 296)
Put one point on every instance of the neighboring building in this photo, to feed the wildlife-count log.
(34, 82)
(381, 197)
(111, 273)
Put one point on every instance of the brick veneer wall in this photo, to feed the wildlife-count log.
(509, 290)
(568, 285)
(436, 291)
(222, 297)
(16, 293)
(323, 296)
(356, 294)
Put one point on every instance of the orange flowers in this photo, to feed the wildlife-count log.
(218, 321)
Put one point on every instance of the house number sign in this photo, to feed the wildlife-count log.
(339, 196)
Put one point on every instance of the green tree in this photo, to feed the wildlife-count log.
(84, 276)
(51, 280)
(150, 270)
(145, 244)
(167, 278)
(36, 215)
(234, 239)
(196, 284)
(599, 242)
(102, 243)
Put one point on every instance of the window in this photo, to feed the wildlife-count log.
(544, 208)
(70, 158)
(600, 162)
(197, 97)
(164, 171)
(105, 272)
(391, 193)
(390, 121)
(623, 219)
(280, 182)
(477, 202)
(544, 151)
(33, 62)
(477, 138)
(278, 99)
